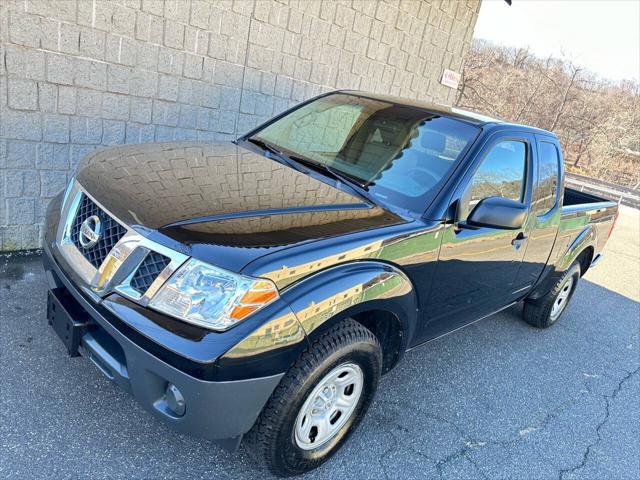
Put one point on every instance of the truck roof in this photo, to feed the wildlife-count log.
(466, 115)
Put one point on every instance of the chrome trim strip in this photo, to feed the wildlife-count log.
(71, 254)
(119, 266)
(135, 248)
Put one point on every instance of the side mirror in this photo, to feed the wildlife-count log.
(498, 212)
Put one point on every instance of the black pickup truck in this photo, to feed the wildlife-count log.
(258, 289)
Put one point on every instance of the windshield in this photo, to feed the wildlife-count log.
(400, 154)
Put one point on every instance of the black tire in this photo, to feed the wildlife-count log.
(538, 312)
(272, 440)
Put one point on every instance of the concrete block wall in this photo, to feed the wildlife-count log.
(79, 74)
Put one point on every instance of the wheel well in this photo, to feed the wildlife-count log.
(388, 330)
(584, 259)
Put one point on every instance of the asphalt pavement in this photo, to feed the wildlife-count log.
(498, 399)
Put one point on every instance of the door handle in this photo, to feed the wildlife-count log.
(519, 241)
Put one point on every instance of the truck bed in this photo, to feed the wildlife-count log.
(580, 211)
(576, 197)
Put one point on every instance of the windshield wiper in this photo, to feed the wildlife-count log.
(267, 147)
(295, 161)
(348, 180)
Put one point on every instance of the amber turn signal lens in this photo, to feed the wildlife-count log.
(258, 296)
(241, 311)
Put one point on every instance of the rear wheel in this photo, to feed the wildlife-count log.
(319, 402)
(545, 311)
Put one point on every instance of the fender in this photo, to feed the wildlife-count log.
(586, 238)
(323, 299)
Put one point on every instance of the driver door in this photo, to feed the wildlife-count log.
(477, 266)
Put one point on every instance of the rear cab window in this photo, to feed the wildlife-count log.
(549, 170)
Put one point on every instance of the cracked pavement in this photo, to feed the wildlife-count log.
(498, 399)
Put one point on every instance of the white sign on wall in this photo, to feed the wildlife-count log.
(450, 78)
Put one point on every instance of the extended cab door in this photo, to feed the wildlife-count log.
(544, 219)
(477, 266)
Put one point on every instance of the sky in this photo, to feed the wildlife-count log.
(600, 35)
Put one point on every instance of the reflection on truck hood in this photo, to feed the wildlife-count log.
(202, 197)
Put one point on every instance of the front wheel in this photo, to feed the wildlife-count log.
(319, 402)
(545, 311)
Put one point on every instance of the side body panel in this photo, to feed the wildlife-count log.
(388, 270)
(581, 227)
(477, 267)
(540, 229)
(342, 291)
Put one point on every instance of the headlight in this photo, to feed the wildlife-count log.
(212, 297)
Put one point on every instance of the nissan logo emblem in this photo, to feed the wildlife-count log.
(90, 232)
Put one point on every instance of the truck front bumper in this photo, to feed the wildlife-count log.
(221, 410)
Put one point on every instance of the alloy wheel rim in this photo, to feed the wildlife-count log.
(329, 406)
(562, 299)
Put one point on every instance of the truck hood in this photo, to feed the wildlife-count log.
(221, 203)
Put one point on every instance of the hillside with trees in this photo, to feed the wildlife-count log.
(598, 121)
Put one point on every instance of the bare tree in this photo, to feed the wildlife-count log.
(597, 121)
(566, 96)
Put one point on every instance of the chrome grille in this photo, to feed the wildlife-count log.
(112, 232)
(152, 265)
(119, 256)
